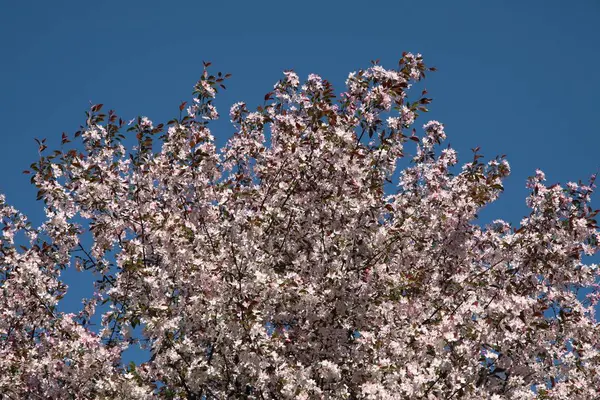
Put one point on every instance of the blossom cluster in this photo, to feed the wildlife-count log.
(281, 266)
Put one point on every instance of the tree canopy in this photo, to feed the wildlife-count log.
(297, 261)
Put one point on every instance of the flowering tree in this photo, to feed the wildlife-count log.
(282, 266)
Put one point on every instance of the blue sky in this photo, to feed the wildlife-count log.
(515, 77)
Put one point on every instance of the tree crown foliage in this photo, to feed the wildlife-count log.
(280, 266)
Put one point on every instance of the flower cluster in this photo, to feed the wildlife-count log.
(282, 266)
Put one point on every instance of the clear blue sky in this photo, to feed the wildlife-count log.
(520, 78)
